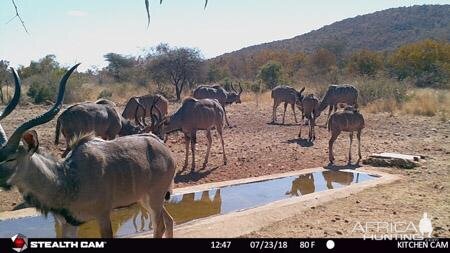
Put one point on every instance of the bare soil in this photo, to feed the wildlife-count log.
(254, 148)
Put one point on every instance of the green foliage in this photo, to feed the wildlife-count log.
(271, 74)
(381, 88)
(107, 94)
(426, 62)
(365, 63)
(120, 67)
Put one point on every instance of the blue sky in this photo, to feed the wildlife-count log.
(85, 30)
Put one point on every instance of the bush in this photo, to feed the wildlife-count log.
(107, 94)
(381, 88)
(40, 93)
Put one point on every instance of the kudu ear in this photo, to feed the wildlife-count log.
(30, 141)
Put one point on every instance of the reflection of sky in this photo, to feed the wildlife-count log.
(234, 198)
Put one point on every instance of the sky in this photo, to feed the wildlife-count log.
(85, 30)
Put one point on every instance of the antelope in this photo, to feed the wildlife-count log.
(5, 169)
(288, 95)
(218, 92)
(348, 120)
(193, 115)
(96, 176)
(311, 112)
(99, 117)
(346, 94)
(134, 103)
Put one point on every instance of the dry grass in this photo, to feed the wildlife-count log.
(428, 102)
(121, 92)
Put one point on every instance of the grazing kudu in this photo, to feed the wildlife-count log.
(5, 169)
(339, 94)
(146, 101)
(288, 95)
(96, 177)
(310, 111)
(193, 115)
(98, 117)
(348, 120)
(218, 92)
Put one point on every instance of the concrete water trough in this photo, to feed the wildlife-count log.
(222, 209)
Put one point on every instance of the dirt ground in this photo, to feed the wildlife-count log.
(256, 148)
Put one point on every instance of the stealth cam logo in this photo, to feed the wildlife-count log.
(20, 242)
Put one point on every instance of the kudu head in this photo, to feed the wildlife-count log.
(158, 122)
(234, 96)
(299, 98)
(130, 128)
(5, 170)
(14, 151)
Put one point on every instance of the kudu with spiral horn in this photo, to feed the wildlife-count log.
(96, 176)
(6, 170)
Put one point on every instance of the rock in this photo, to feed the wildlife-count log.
(394, 212)
(357, 202)
(339, 232)
(396, 134)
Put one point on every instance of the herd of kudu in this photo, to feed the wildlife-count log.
(100, 171)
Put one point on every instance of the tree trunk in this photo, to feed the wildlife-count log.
(178, 92)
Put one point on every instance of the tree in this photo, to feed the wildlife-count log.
(365, 63)
(120, 67)
(4, 77)
(271, 74)
(427, 62)
(179, 66)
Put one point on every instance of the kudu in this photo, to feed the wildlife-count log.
(339, 94)
(98, 117)
(5, 169)
(310, 111)
(288, 95)
(193, 115)
(133, 106)
(96, 177)
(218, 92)
(348, 120)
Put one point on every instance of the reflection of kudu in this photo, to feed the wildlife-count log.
(339, 94)
(303, 184)
(193, 115)
(349, 120)
(95, 178)
(5, 169)
(288, 95)
(98, 117)
(218, 92)
(188, 208)
(340, 177)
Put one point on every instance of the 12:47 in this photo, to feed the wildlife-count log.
(220, 244)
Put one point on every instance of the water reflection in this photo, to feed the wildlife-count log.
(192, 206)
(302, 185)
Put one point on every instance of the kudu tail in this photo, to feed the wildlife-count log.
(57, 131)
(329, 123)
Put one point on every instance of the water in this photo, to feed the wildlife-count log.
(192, 206)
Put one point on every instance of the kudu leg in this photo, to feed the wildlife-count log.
(300, 131)
(350, 148)
(208, 149)
(274, 112)
(157, 222)
(358, 136)
(333, 138)
(313, 122)
(193, 142)
(168, 223)
(226, 117)
(284, 112)
(219, 130)
(67, 230)
(104, 222)
(187, 140)
(329, 115)
(293, 110)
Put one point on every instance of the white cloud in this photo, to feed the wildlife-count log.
(77, 13)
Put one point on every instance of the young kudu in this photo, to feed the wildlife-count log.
(218, 92)
(310, 111)
(96, 177)
(348, 120)
(98, 117)
(288, 95)
(193, 115)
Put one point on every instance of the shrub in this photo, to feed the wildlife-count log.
(105, 94)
